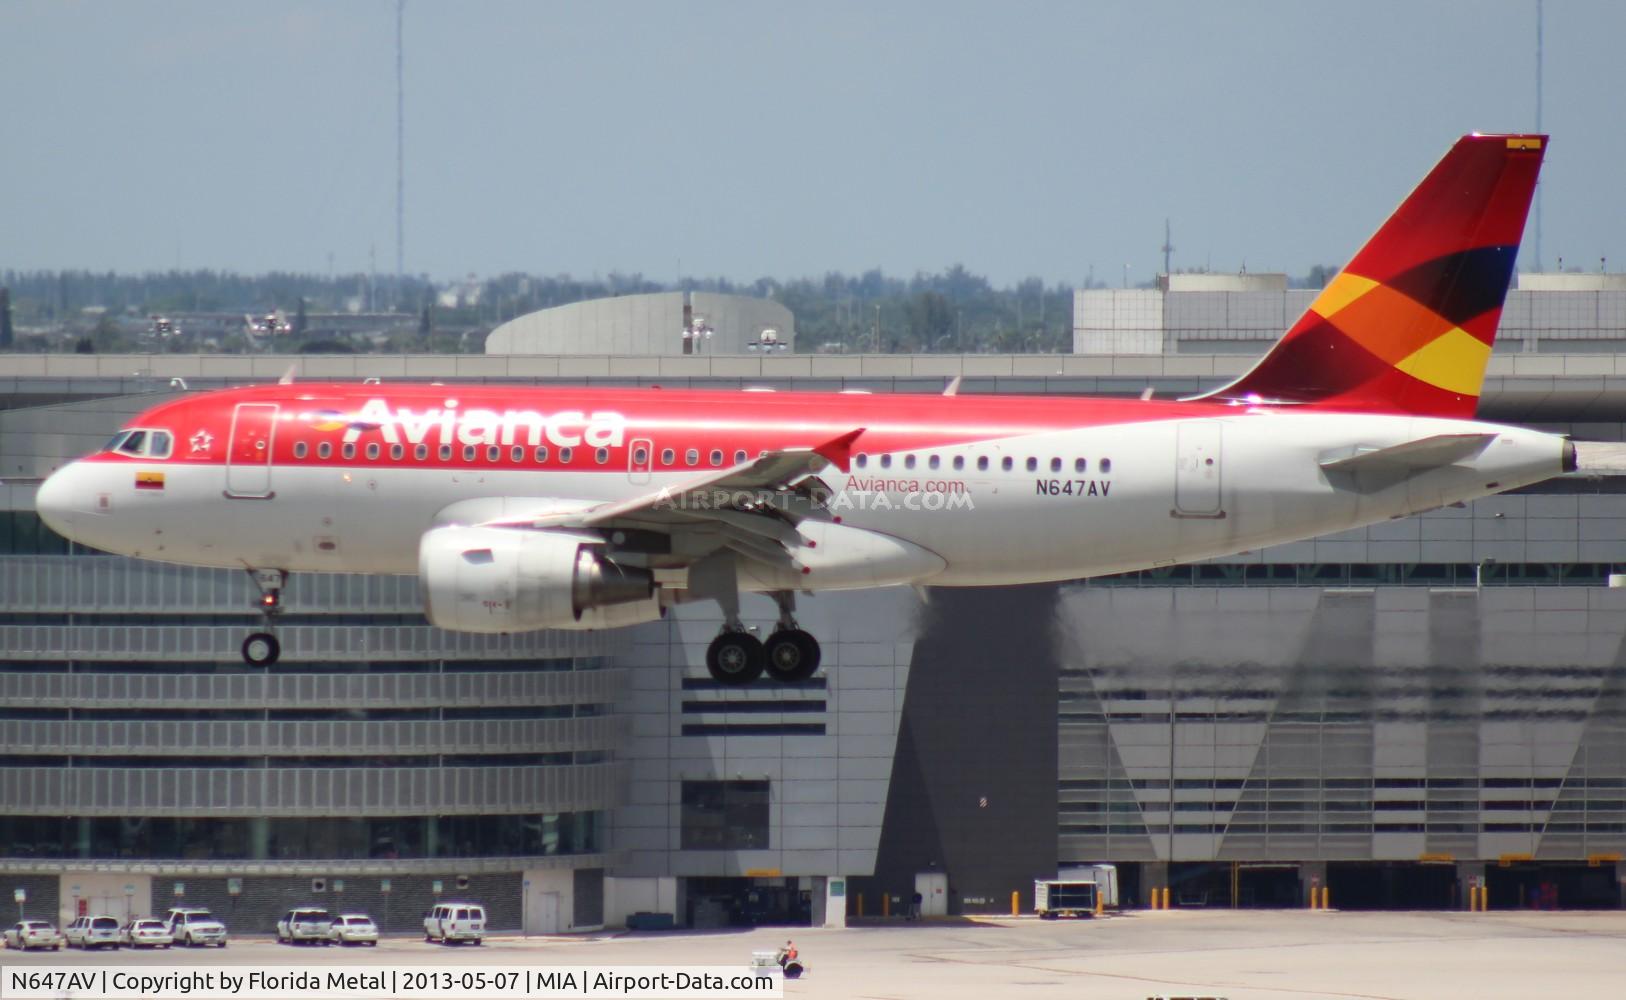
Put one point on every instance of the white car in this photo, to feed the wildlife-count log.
(195, 927)
(146, 932)
(354, 928)
(31, 934)
(92, 932)
(304, 923)
(449, 922)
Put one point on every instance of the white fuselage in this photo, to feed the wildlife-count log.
(1071, 504)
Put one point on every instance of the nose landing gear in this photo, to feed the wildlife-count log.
(261, 649)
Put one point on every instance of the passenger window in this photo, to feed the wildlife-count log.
(1079, 465)
(1005, 463)
(372, 451)
(468, 453)
(541, 454)
(640, 455)
(566, 454)
(934, 461)
(982, 463)
(886, 461)
(445, 453)
(349, 450)
(668, 456)
(1055, 465)
(602, 455)
(1105, 466)
(397, 452)
(300, 448)
(909, 461)
(716, 457)
(959, 462)
(324, 450)
(518, 454)
(692, 456)
(1033, 464)
(493, 453)
(863, 460)
(740, 457)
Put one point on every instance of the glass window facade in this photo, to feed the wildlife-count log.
(725, 815)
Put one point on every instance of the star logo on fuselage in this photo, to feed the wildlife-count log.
(201, 442)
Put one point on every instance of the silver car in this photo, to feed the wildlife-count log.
(354, 928)
(146, 932)
(31, 934)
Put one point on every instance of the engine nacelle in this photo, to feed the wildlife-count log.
(510, 580)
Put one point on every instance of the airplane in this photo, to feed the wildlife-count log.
(523, 508)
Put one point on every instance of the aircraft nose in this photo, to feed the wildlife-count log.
(58, 501)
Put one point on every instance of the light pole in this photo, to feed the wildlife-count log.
(877, 328)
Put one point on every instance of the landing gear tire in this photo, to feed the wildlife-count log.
(735, 658)
(792, 654)
(261, 649)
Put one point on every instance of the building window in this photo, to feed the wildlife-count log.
(725, 815)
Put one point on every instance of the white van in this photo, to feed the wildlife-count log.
(449, 922)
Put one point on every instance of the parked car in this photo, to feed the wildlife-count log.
(449, 922)
(304, 923)
(31, 934)
(195, 927)
(92, 932)
(354, 928)
(146, 932)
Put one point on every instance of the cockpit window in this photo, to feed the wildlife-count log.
(142, 443)
(132, 444)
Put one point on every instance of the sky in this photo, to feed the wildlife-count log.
(759, 139)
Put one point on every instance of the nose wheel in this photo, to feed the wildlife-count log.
(262, 649)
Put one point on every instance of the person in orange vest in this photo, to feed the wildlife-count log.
(787, 954)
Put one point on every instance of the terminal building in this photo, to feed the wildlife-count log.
(1396, 713)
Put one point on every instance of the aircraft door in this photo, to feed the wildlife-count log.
(1197, 472)
(640, 460)
(248, 458)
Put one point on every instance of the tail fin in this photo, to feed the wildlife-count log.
(1407, 326)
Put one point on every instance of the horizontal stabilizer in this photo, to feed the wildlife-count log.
(1600, 458)
(1368, 470)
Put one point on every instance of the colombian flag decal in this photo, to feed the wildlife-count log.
(149, 480)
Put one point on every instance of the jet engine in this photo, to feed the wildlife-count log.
(496, 580)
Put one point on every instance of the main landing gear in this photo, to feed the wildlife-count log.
(736, 657)
(261, 649)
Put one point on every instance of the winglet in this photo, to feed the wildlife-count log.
(288, 376)
(953, 388)
(839, 450)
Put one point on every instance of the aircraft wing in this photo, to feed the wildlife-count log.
(1367, 470)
